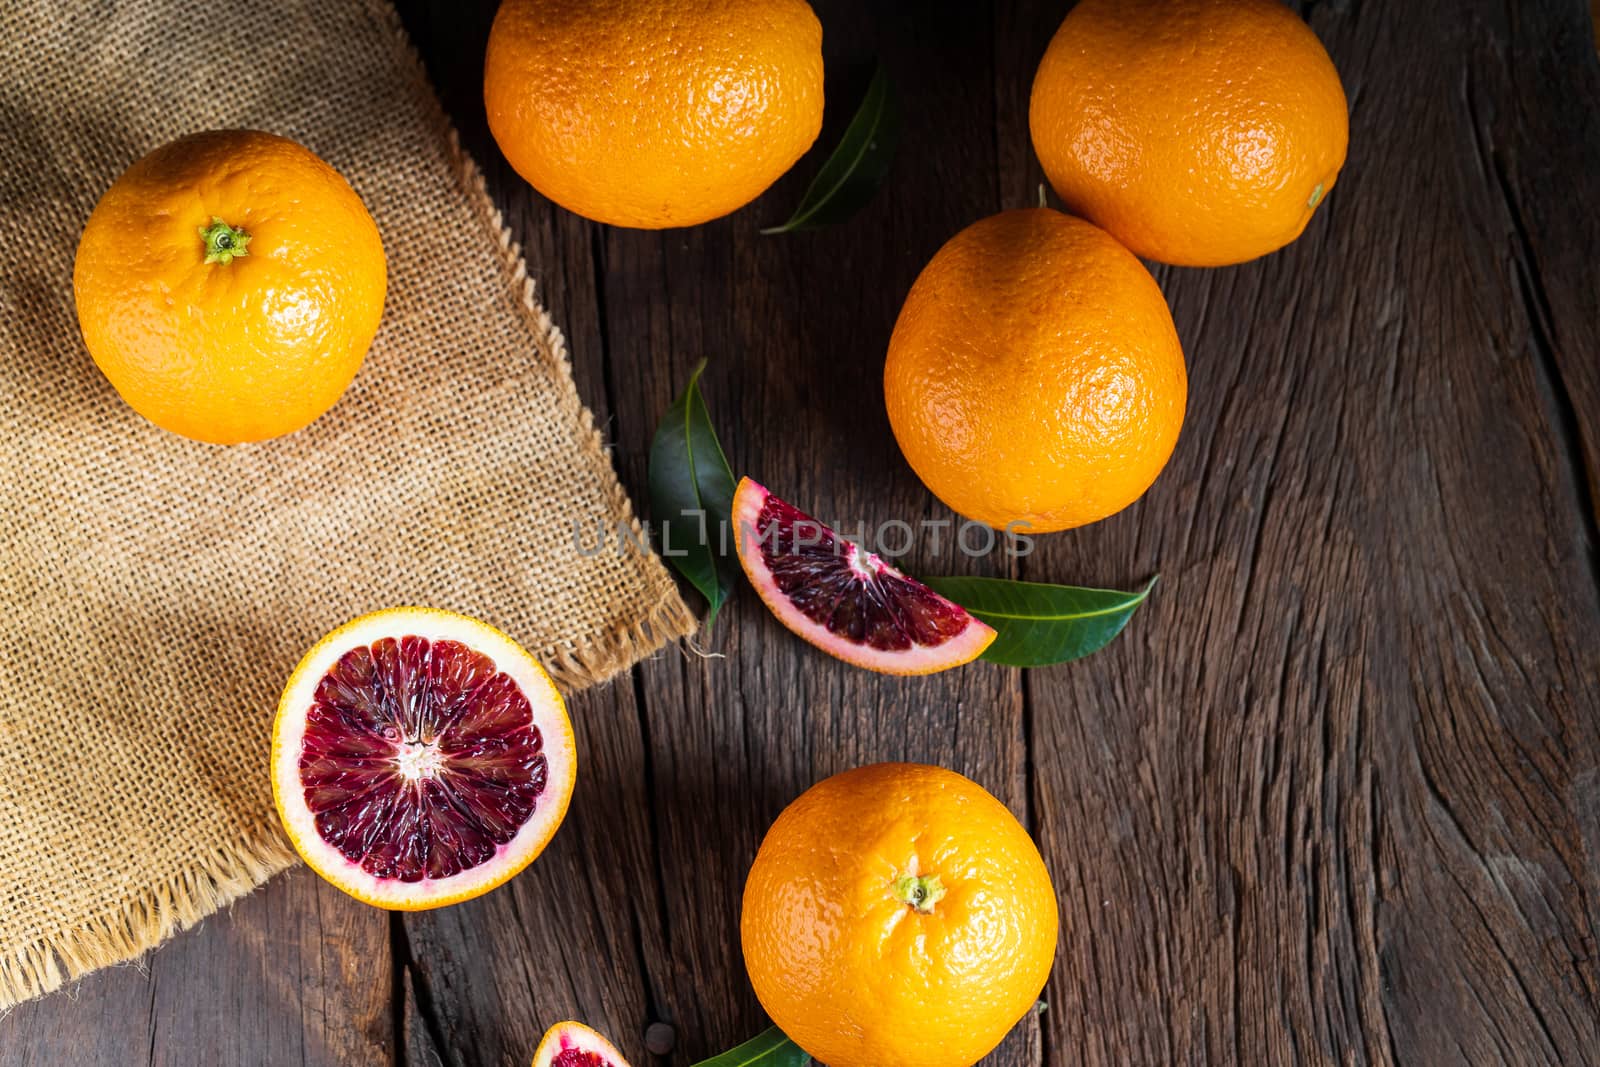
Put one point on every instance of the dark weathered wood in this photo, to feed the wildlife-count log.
(795, 328)
(1333, 797)
(567, 939)
(295, 973)
(702, 753)
(291, 975)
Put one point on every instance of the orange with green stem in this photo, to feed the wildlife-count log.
(229, 284)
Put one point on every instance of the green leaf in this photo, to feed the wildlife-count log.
(1039, 624)
(691, 496)
(771, 1049)
(857, 167)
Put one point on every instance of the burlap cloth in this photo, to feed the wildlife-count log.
(157, 591)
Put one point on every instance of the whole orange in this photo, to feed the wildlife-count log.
(653, 113)
(898, 914)
(229, 284)
(1197, 132)
(1034, 377)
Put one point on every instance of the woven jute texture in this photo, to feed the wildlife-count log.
(157, 592)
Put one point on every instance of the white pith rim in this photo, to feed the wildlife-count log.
(549, 715)
(919, 659)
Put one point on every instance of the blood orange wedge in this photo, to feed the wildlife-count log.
(420, 758)
(844, 599)
(571, 1044)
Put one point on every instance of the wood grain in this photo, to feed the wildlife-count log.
(1334, 797)
(1344, 754)
(704, 756)
(293, 974)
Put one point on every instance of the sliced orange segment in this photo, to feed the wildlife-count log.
(846, 600)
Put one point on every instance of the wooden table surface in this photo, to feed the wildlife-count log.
(1332, 798)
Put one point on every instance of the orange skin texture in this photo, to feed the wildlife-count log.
(653, 113)
(859, 978)
(1196, 132)
(1034, 375)
(241, 351)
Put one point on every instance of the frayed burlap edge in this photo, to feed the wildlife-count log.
(597, 658)
(154, 915)
(147, 920)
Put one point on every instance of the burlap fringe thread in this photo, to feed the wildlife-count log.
(575, 666)
(145, 921)
(152, 917)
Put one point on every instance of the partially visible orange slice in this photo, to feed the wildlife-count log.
(572, 1044)
(420, 758)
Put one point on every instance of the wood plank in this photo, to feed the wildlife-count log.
(795, 328)
(71, 1026)
(668, 299)
(566, 939)
(1326, 800)
(296, 973)
(563, 939)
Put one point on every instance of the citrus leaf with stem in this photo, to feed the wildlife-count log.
(1040, 624)
(769, 1049)
(858, 165)
(691, 496)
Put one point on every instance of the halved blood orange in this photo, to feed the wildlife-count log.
(844, 599)
(572, 1044)
(420, 758)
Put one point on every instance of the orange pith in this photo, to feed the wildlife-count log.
(898, 914)
(237, 349)
(653, 113)
(1034, 378)
(1196, 132)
